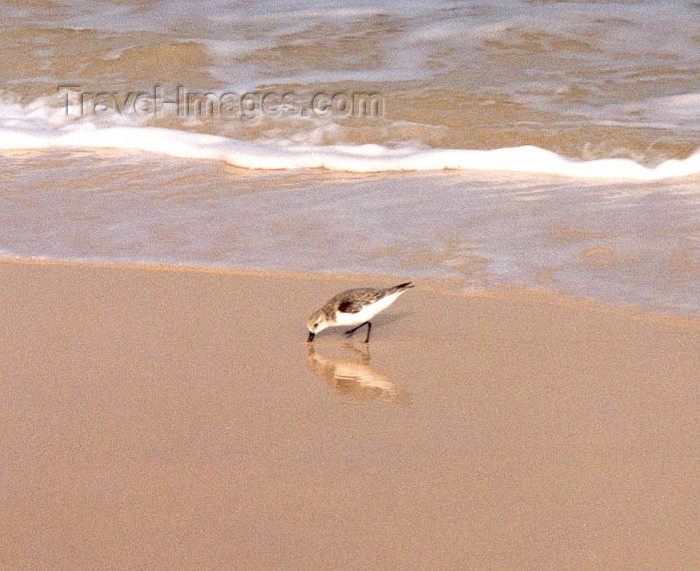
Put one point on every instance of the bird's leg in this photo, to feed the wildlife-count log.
(369, 328)
(351, 331)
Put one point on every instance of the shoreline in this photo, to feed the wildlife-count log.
(442, 287)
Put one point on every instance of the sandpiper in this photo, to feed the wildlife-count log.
(354, 307)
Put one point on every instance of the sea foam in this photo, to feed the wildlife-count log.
(282, 155)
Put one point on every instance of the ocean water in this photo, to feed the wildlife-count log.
(542, 144)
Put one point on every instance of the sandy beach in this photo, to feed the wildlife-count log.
(210, 173)
(156, 418)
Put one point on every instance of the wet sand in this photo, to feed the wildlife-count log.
(177, 419)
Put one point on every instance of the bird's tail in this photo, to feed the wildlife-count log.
(399, 287)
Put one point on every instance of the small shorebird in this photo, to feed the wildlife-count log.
(354, 307)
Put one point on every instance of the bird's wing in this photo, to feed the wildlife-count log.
(353, 300)
(350, 306)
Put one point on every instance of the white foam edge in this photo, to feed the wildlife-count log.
(348, 158)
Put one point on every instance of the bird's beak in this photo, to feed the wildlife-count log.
(311, 337)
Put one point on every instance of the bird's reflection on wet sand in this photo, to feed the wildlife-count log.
(355, 377)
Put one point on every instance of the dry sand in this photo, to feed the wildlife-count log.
(177, 420)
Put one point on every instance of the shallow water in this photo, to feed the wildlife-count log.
(559, 140)
(632, 243)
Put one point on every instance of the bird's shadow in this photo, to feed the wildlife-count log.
(391, 318)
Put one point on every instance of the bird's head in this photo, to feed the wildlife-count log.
(316, 323)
